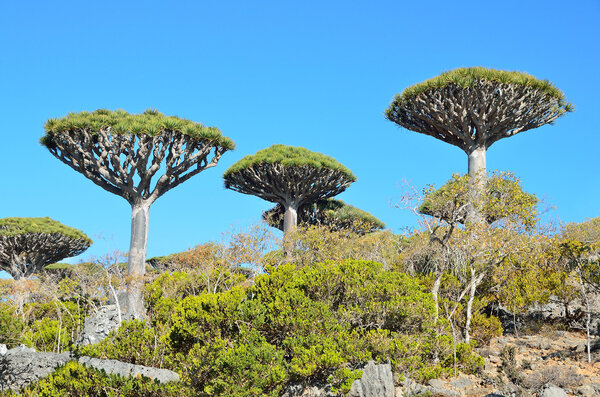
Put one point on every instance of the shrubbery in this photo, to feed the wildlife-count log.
(318, 322)
(75, 380)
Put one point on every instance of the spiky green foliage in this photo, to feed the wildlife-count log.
(472, 108)
(289, 156)
(17, 226)
(468, 77)
(331, 212)
(29, 244)
(151, 122)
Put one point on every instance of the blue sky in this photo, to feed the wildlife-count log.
(314, 74)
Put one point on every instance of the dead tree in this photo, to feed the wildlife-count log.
(27, 245)
(123, 153)
(472, 108)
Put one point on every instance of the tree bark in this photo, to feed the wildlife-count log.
(290, 220)
(474, 283)
(136, 263)
(435, 292)
(478, 177)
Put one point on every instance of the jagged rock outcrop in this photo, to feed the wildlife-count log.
(22, 366)
(97, 326)
(377, 381)
(120, 368)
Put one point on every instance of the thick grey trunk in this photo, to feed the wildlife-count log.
(290, 220)
(478, 177)
(136, 263)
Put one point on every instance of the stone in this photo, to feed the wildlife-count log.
(300, 390)
(586, 391)
(437, 383)
(97, 326)
(443, 392)
(461, 383)
(3, 349)
(125, 369)
(552, 391)
(377, 381)
(22, 366)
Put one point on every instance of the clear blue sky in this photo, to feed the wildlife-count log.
(317, 74)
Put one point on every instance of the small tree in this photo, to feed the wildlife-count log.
(122, 153)
(472, 108)
(27, 245)
(332, 213)
(290, 176)
(503, 198)
(580, 252)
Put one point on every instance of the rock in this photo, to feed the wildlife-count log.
(300, 390)
(437, 383)
(377, 381)
(461, 383)
(552, 391)
(3, 349)
(22, 366)
(412, 388)
(98, 325)
(586, 391)
(443, 392)
(125, 369)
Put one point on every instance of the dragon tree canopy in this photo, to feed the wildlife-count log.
(333, 213)
(290, 176)
(112, 148)
(138, 157)
(475, 107)
(27, 245)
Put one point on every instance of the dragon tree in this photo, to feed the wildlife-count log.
(472, 108)
(289, 176)
(27, 245)
(139, 157)
(335, 214)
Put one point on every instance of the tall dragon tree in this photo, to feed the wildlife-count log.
(289, 176)
(472, 108)
(332, 213)
(139, 157)
(27, 245)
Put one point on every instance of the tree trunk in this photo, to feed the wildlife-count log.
(435, 292)
(478, 177)
(474, 283)
(136, 263)
(290, 220)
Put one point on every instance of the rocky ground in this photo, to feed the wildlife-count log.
(548, 364)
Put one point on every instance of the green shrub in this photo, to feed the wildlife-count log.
(11, 327)
(75, 380)
(248, 366)
(53, 326)
(134, 342)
